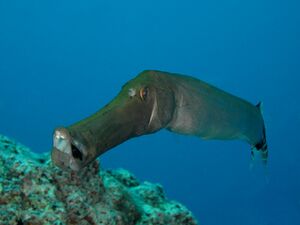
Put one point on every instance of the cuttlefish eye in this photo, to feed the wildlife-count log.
(144, 93)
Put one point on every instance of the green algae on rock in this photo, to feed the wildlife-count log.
(33, 191)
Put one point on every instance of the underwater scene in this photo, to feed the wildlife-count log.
(149, 112)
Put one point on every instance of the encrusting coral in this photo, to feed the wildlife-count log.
(33, 191)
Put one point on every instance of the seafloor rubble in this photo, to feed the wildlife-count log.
(33, 191)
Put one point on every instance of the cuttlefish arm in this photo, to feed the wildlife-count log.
(155, 100)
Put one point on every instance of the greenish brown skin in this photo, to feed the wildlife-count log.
(179, 103)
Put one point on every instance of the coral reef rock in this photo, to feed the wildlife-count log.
(33, 191)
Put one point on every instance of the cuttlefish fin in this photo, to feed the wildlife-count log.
(260, 148)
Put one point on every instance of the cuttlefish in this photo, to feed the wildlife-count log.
(155, 100)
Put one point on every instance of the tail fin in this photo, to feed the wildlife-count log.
(262, 146)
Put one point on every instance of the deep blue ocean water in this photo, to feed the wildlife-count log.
(61, 61)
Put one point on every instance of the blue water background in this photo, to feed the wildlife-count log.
(60, 61)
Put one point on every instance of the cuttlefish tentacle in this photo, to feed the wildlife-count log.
(155, 100)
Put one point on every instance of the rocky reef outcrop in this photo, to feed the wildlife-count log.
(33, 191)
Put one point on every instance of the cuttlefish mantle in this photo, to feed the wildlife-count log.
(155, 100)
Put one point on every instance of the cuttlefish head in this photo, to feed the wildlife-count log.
(144, 105)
